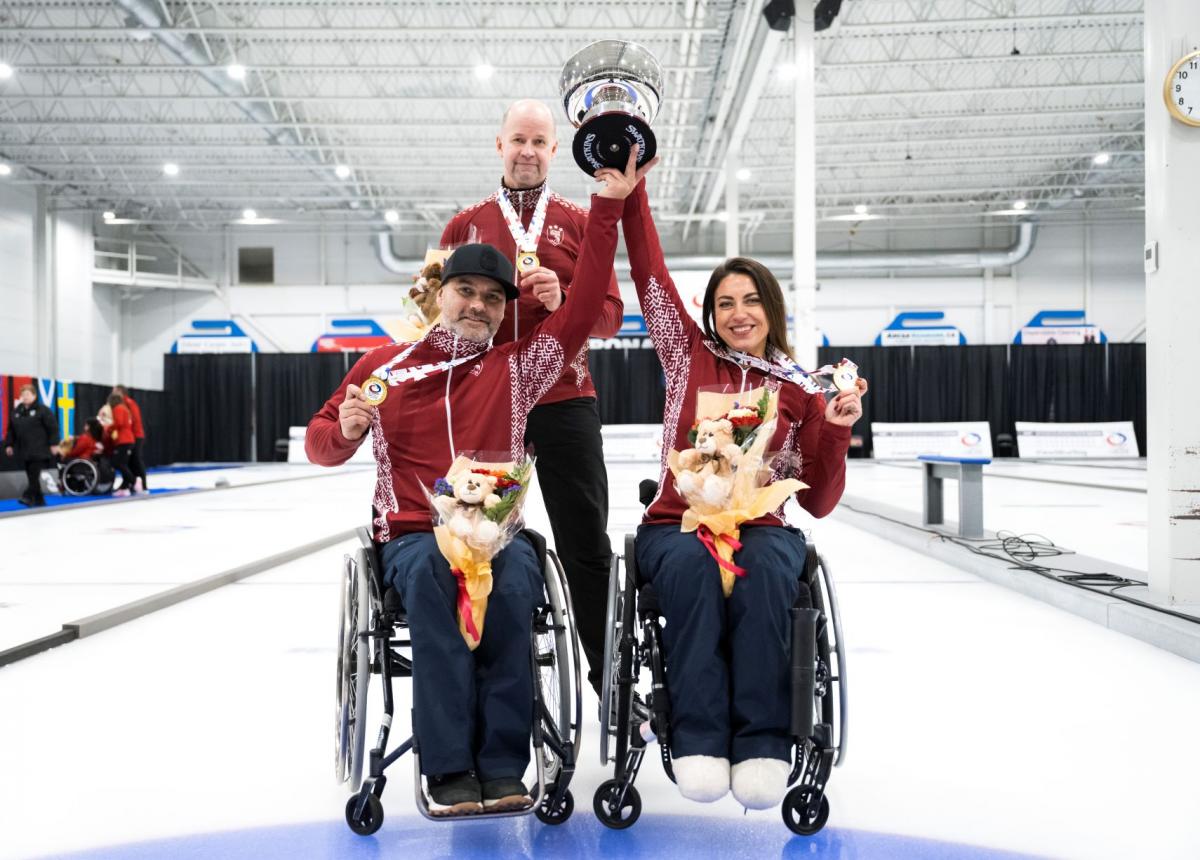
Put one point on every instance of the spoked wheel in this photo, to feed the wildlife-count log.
(371, 818)
(613, 630)
(557, 661)
(353, 672)
(549, 813)
(800, 814)
(612, 810)
(80, 477)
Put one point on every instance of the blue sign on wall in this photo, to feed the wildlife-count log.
(899, 332)
(214, 336)
(1059, 327)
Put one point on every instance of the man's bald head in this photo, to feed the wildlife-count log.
(526, 143)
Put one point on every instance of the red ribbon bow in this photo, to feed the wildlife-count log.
(464, 604)
(710, 541)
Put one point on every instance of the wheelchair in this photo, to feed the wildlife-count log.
(633, 641)
(372, 640)
(80, 477)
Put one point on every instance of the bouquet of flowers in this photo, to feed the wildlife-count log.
(725, 477)
(476, 513)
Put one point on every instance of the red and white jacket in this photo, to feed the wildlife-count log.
(814, 451)
(479, 405)
(558, 249)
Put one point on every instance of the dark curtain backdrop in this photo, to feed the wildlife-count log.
(289, 388)
(215, 406)
(211, 413)
(89, 398)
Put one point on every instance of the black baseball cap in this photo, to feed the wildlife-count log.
(481, 259)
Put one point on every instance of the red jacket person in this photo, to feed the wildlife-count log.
(456, 390)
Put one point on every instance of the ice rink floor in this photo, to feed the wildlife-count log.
(983, 723)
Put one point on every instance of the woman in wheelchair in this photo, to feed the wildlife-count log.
(83, 467)
(728, 676)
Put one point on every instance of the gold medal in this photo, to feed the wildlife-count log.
(845, 376)
(527, 261)
(374, 391)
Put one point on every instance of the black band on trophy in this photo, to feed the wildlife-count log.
(611, 92)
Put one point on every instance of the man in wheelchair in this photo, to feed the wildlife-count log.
(424, 403)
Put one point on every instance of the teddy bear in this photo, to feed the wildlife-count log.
(424, 291)
(462, 513)
(706, 470)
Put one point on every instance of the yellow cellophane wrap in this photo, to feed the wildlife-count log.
(410, 330)
(475, 562)
(748, 500)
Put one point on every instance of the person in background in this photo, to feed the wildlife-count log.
(88, 445)
(137, 463)
(119, 435)
(564, 429)
(32, 432)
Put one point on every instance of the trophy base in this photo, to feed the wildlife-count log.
(605, 141)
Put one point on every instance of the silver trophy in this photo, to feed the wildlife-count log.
(611, 91)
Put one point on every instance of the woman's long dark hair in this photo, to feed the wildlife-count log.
(115, 400)
(769, 293)
(92, 427)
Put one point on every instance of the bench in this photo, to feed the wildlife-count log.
(968, 471)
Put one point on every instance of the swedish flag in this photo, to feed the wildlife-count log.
(64, 405)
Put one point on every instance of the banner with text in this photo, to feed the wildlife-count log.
(1098, 439)
(908, 441)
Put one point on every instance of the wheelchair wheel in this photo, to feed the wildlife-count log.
(557, 660)
(560, 813)
(834, 655)
(353, 672)
(613, 620)
(799, 813)
(613, 811)
(79, 477)
(371, 818)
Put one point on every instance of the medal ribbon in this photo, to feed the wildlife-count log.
(421, 371)
(781, 367)
(464, 604)
(526, 240)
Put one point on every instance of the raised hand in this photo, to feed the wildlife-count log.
(617, 184)
(355, 413)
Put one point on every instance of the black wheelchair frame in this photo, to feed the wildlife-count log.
(372, 649)
(80, 477)
(818, 725)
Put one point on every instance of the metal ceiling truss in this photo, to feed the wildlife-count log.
(926, 112)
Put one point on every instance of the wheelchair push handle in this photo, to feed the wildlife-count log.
(804, 660)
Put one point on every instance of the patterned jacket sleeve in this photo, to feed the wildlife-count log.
(539, 358)
(671, 327)
(822, 466)
(324, 443)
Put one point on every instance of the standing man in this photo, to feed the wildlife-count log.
(136, 464)
(32, 435)
(542, 233)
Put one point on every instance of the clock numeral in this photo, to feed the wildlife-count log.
(1181, 100)
(1178, 88)
(1183, 74)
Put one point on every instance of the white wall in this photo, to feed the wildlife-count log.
(18, 337)
(337, 275)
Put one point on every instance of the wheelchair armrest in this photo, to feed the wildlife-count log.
(647, 490)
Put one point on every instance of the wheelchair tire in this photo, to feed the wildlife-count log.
(560, 813)
(614, 613)
(558, 678)
(353, 671)
(80, 477)
(797, 814)
(837, 715)
(372, 815)
(604, 805)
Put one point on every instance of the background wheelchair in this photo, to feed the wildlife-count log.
(633, 641)
(81, 477)
(373, 641)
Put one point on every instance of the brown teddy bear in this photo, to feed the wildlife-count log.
(425, 289)
(706, 471)
(462, 513)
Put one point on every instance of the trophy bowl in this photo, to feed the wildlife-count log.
(611, 92)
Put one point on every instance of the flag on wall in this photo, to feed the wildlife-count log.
(64, 407)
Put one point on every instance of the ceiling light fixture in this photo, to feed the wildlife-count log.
(484, 71)
(171, 169)
(1020, 204)
(109, 215)
(6, 71)
(861, 209)
(341, 171)
(5, 169)
(744, 174)
(1101, 158)
(249, 215)
(391, 216)
(236, 71)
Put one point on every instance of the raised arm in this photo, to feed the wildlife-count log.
(671, 327)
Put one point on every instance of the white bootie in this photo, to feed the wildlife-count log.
(703, 778)
(760, 783)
